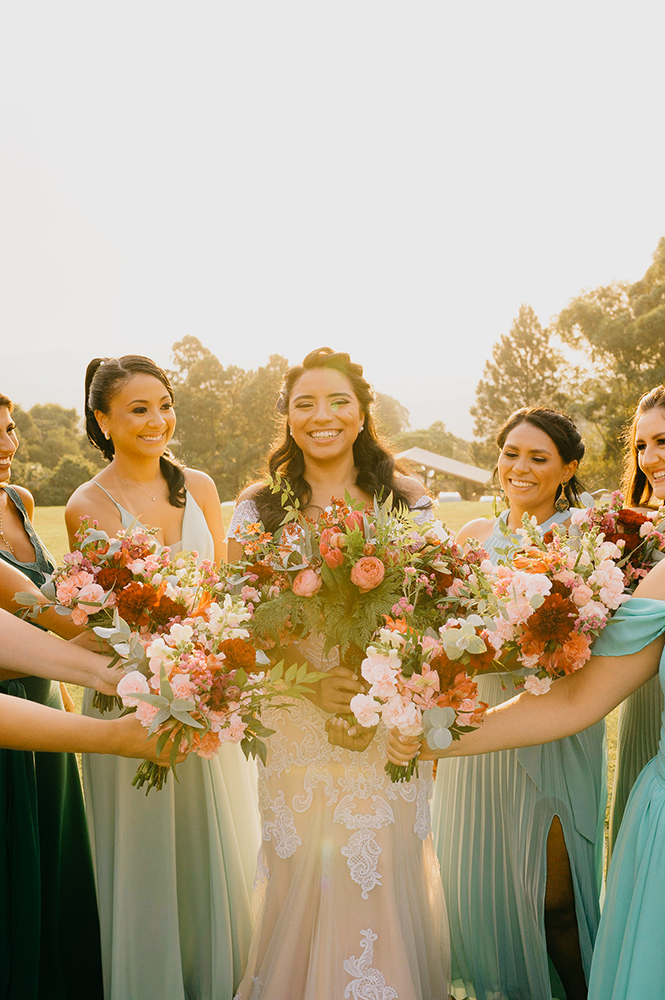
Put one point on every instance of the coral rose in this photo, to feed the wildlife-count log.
(306, 583)
(368, 573)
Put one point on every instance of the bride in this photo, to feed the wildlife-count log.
(352, 904)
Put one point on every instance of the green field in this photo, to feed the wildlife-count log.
(50, 524)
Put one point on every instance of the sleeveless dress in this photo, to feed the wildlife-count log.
(351, 904)
(174, 868)
(491, 818)
(629, 959)
(49, 928)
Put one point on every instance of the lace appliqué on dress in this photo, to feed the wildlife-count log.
(283, 829)
(362, 852)
(369, 983)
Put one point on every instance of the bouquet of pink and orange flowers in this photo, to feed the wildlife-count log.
(201, 683)
(638, 534)
(416, 688)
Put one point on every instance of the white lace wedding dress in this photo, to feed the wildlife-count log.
(351, 903)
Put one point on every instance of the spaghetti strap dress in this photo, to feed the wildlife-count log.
(49, 928)
(629, 959)
(491, 818)
(174, 868)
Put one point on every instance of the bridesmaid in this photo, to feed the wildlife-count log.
(49, 928)
(639, 716)
(519, 834)
(174, 869)
(629, 958)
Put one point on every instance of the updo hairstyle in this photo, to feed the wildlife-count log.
(103, 379)
(635, 485)
(375, 464)
(564, 435)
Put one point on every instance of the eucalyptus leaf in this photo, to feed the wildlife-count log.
(24, 599)
(186, 719)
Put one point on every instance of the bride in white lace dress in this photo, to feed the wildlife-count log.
(351, 904)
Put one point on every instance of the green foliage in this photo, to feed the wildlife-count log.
(621, 329)
(391, 418)
(67, 476)
(226, 416)
(526, 370)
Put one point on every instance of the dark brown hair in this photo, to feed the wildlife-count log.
(6, 401)
(635, 485)
(103, 379)
(375, 464)
(562, 432)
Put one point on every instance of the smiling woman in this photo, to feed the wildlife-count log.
(174, 869)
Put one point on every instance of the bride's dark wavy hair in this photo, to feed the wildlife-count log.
(636, 487)
(375, 464)
(103, 379)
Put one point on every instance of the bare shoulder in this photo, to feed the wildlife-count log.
(653, 584)
(27, 498)
(411, 486)
(201, 484)
(250, 492)
(480, 528)
(85, 495)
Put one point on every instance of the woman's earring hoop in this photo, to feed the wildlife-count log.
(562, 502)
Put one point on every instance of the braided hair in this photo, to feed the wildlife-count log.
(375, 464)
(103, 379)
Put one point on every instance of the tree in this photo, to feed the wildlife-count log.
(526, 369)
(621, 328)
(391, 417)
(67, 476)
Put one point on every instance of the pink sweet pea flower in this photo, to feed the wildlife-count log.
(537, 685)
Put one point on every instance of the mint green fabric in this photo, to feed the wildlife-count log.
(629, 959)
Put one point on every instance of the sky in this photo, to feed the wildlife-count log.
(392, 179)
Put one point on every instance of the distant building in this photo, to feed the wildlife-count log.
(468, 480)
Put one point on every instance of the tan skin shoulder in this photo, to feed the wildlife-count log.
(88, 500)
(28, 500)
(204, 491)
(480, 528)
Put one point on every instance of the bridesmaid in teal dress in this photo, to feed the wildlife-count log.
(519, 835)
(49, 928)
(629, 957)
(638, 730)
(175, 868)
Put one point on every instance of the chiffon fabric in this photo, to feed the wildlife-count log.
(351, 903)
(49, 928)
(174, 868)
(629, 959)
(491, 818)
(638, 735)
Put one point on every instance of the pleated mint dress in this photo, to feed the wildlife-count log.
(629, 960)
(175, 868)
(491, 817)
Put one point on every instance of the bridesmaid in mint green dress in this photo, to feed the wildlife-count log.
(519, 834)
(638, 730)
(174, 868)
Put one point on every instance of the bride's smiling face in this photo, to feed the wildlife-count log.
(324, 414)
(650, 447)
(140, 418)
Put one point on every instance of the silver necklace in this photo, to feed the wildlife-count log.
(137, 487)
(3, 537)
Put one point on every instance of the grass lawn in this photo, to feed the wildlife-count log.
(50, 524)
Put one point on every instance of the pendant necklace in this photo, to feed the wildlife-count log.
(137, 487)
(2, 536)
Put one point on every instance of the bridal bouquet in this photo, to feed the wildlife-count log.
(550, 599)
(422, 685)
(200, 682)
(345, 574)
(639, 535)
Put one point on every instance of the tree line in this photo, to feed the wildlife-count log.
(594, 360)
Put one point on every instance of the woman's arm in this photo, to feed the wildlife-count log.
(480, 529)
(12, 581)
(573, 703)
(32, 652)
(204, 491)
(25, 725)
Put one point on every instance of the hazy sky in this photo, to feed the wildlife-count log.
(393, 179)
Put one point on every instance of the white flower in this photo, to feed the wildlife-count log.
(366, 710)
(537, 685)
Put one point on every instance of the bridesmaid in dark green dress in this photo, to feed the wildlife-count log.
(49, 927)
